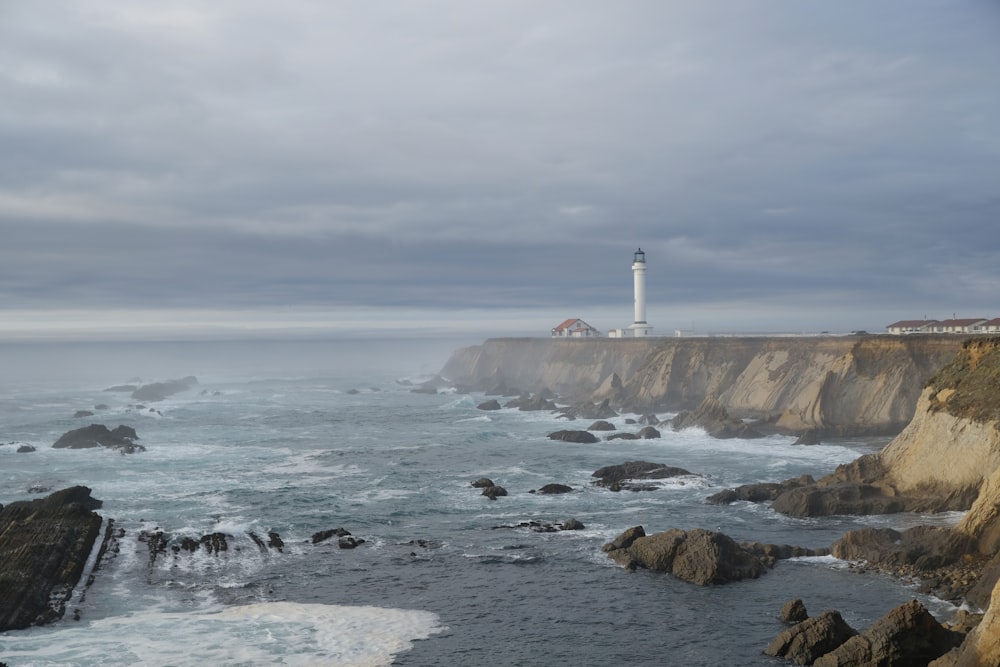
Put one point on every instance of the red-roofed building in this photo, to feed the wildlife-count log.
(973, 325)
(991, 326)
(574, 328)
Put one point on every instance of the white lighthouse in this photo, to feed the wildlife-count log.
(639, 326)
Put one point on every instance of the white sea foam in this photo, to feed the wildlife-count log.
(257, 634)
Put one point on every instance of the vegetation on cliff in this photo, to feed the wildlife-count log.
(969, 386)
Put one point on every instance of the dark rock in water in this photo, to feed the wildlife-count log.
(324, 535)
(82, 413)
(648, 433)
(844, 498)
(572, 524)
(494, 492)
(25, 449)
(770, 553)
(492, 404)
(810, 437)
(553, 489)
(531, 403)
(697, 556)
(122, 438)
(712, 416)
(601, 425)
(922, 547)
(617, 477)
(353, 392)
(101, 406)
(38, 488)
(589, 411)
(44, 546)
(650, 420)
(812, 638)
(907, 635)
(573, 436)
(759, 492)
(624, 436)
(794, 611)
(348, 542)
(483, 483)
(539, 527)
(158, 391)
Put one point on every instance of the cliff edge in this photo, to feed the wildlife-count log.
(832, 385)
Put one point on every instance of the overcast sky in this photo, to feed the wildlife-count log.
(251, 165)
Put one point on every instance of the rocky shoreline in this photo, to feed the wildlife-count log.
(947, 458)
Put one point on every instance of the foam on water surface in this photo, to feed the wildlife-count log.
(269, 633)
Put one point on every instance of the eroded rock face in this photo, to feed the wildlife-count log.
(44, 546)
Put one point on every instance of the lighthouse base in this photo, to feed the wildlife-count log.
(637, 330)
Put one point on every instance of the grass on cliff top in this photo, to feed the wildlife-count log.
(969, 386)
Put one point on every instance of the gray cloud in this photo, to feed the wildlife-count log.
(788, 165)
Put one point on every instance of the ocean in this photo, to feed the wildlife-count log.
(297, 437)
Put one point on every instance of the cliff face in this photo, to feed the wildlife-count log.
(837, 385)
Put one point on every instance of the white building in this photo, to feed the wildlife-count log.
(639, 328)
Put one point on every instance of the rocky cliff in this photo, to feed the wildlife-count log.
(836, 385)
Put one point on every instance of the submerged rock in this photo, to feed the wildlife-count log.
(158, 391)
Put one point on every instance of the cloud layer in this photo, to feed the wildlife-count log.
(784, 165)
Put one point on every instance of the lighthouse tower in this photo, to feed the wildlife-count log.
(639, 327)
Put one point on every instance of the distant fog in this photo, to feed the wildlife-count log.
(101, 364)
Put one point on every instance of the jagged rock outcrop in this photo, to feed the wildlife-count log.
(907, 635)
(804, 642)
(44, 547)
(831, 385)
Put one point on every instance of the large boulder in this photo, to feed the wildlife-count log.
(907, 635)
(697, 556)
(44, 546)
(122, 438)
(806, 641)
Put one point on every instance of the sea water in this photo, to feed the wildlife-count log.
(300, 437)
